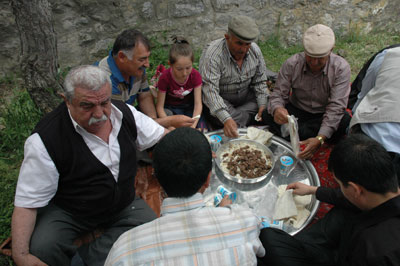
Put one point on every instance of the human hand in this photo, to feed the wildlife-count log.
(260, 111)
(181, 121)
(311, 146)
(230, 128)
(280, 115)
(301, 189)
(27, 260)
(226, 201)
(196, 121)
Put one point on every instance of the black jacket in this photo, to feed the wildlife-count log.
(370, 238)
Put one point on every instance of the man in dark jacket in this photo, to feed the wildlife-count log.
(364, 226)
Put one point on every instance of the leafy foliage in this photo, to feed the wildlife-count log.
(20, 116)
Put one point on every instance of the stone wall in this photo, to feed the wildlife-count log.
(86, 28)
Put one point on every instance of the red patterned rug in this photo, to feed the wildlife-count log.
(320, 162)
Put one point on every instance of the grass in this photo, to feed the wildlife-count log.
(356, 48)
(18, 115)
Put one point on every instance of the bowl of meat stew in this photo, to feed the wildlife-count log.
(244, 161)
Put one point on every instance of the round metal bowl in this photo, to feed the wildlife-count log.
(225, 148)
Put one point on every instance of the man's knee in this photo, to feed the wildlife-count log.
(270, 236)
(50, 249)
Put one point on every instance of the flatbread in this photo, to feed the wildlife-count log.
(285, 206)
(294, 135)
(258, 135)
(291, 208)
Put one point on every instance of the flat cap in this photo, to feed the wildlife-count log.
(318, 40)
(244, 28)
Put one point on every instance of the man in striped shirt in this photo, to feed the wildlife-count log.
(188, 232)
(234, 77)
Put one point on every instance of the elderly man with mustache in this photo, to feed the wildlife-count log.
(78, 174)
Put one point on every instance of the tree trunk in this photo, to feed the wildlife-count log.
(39, 61)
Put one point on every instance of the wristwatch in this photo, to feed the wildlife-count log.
(321, 139)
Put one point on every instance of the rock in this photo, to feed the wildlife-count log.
(86, 29)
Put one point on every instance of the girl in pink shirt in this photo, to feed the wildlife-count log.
(179, 87)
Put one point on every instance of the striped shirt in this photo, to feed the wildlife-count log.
(221, 74)
(188, 233)
(326, 92)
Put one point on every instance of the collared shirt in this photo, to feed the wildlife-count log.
(325, 92)
(38, 177)
(122, 90)
(188, 233)
(386, 133)
(221, 74)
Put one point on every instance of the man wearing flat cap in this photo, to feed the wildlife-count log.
(314, 86)
(234, 77)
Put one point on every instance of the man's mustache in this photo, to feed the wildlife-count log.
(93, 120)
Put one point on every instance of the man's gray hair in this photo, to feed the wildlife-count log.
(128, 53)
(87, 77)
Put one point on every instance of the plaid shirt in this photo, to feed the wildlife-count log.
(188, 233)
(221, 74)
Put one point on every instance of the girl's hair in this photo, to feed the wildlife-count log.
(180, 47)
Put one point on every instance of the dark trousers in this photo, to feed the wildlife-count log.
(187, 110)
(242, 106)
(309, 124)
(56, 229)
(316, 245)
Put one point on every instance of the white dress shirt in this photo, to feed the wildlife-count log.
(38, 177)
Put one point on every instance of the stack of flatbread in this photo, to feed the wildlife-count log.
(291, 208)
(258, 135)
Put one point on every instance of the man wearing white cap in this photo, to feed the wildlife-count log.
(314, 86)
(234, 77)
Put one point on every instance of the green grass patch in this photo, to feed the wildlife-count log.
(18, 119)
(355, 47)
(275, 53)
(18, 116)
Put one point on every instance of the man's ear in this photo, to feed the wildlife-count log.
(226, 36)
(121, 56)
(64, 98)
(207, 183)
(356, 189)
